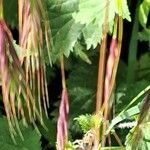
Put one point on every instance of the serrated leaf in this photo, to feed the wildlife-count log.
(70, 19)
(95, 18)
(65, 31)
(92, 34)
(97, 11)
(31, 138)
(122, 9)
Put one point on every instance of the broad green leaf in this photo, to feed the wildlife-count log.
(97, 11)
(69, 20)
(65, 30)
(122, 9)
(95, 18)
(31, 138)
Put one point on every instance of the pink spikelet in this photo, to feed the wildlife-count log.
(62, 133)
(110, 66)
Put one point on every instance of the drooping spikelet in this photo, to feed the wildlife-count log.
(12, 76)
(33, 39)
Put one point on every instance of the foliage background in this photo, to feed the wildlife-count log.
(81, 63)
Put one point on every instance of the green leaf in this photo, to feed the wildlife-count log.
(31, 138)
(65, 31)
(95, 18)
(122, 9)
(69, 20)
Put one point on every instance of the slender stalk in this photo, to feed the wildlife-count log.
(100, 83)
(101, 73)
(62, 71)
(112, 65)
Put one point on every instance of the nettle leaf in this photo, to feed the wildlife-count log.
(65, 30)
(122, 9)
(71, 19)
(95, 18)
(31, 138)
